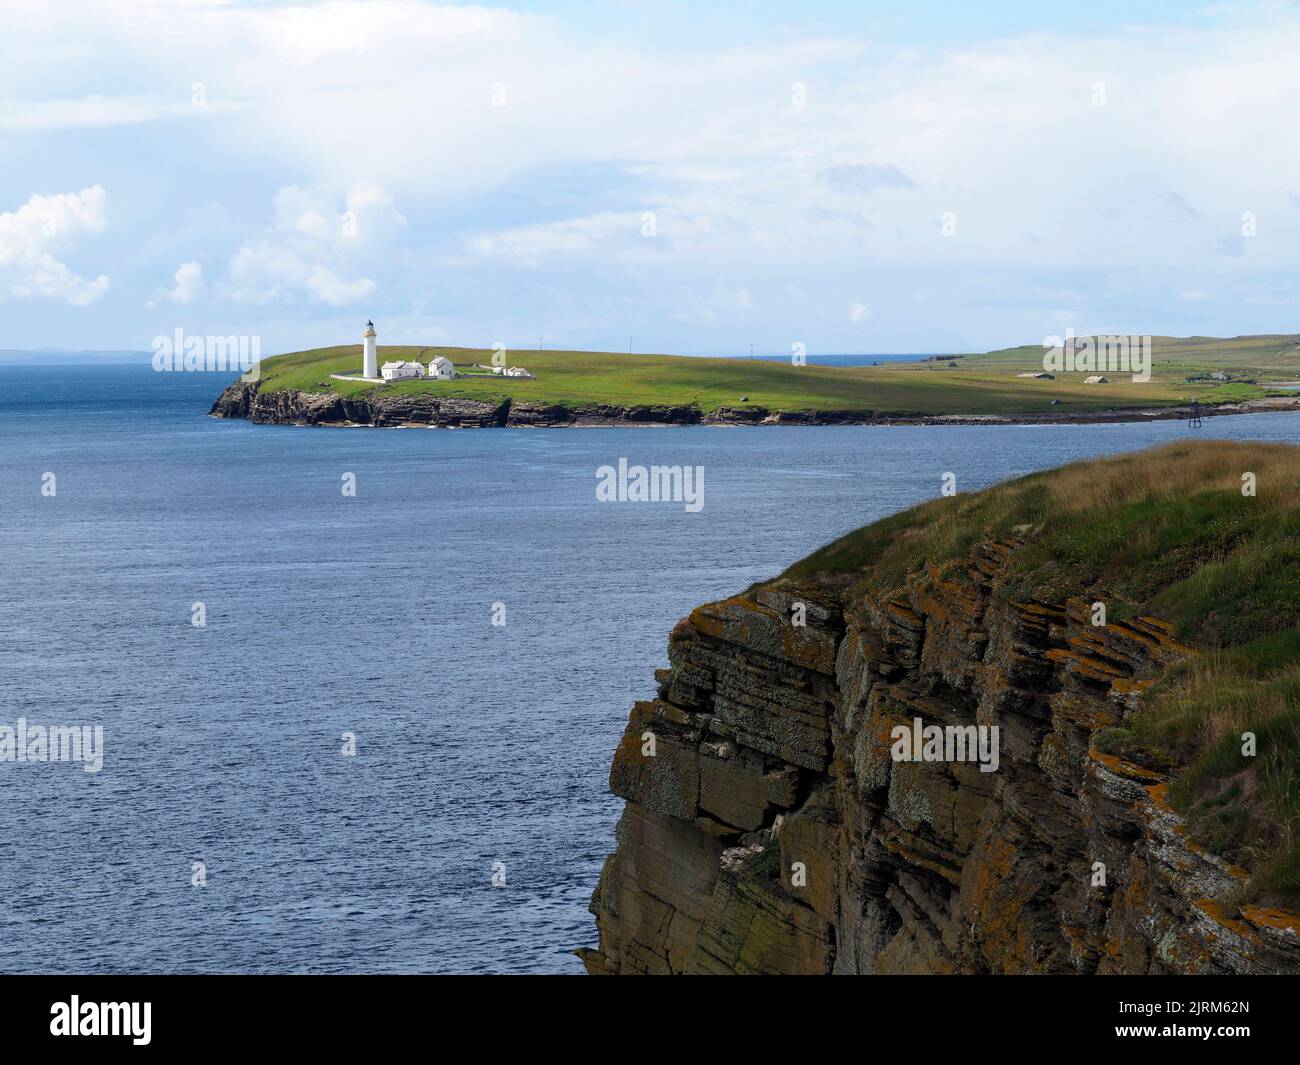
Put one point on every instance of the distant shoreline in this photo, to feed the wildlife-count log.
(427, 410)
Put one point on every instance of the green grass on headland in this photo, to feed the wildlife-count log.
(1166, 532)
(972, 385)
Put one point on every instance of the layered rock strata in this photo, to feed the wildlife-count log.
(768, 828)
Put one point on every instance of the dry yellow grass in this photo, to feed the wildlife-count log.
(1176, 471)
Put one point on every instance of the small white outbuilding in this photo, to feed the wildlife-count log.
(441, 368)
(515, 371)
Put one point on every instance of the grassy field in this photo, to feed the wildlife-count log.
(1165, 532)
(972, 385)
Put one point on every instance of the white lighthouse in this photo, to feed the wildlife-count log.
(370, 355)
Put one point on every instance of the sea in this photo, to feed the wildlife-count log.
(371, 732)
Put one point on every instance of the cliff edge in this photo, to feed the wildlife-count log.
(382, 408)
(772, 826)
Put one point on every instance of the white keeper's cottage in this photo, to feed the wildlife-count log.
(400, 371)
(441, 368)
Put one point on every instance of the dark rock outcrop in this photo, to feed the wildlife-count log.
(768, 829)
(246, 400)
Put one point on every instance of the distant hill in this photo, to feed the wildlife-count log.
(60, 357)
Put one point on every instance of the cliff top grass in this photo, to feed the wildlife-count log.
(971, 385)
(1167, 532)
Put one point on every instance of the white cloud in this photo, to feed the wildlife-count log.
(859, 311)
(1060, 204)
(367, 215)
(312, 241)
(370, 215)
(30, 236)
(187, 285)
(863, 177)
(729, 302)
(398, 94)
(264, 272)
(629, 238)
(530, 245)
(309, 211)
(98, 111)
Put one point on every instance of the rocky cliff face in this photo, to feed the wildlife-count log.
(388, 410)
(246, 400)
(768, 828)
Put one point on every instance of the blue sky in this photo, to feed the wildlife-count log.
(847, 176)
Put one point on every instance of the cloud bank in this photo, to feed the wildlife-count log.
(509, 175)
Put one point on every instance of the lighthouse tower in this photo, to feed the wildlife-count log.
(370, 356)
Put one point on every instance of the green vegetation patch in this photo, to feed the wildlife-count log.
(767, 862)
(1231, 721)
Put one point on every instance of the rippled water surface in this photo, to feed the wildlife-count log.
(476, 744)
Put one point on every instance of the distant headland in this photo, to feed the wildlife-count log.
(1084, 379)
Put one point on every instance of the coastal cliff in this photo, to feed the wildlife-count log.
(384, 409)
(769, 827)
(427, 409)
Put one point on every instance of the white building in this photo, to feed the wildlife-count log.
(515, 371)
(369, 353)
(441, 369)
(398, 371)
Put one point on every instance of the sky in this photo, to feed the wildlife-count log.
(660, 176)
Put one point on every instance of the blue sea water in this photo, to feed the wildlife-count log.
(372, 615)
